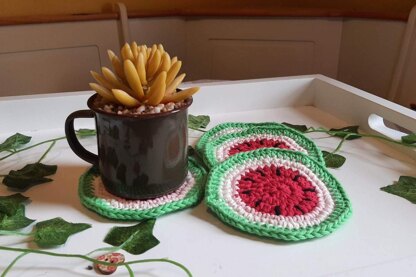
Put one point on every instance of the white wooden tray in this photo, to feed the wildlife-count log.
(379, 239)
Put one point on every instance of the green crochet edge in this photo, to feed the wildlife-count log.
(211, 134)
(341, 213)
(314, 152)
(98, 205)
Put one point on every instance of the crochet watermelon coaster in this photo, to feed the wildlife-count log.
(94, 196)
(218, 150)
(278, 194)
(228, 128)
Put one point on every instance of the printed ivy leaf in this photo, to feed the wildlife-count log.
(16, 221)
(333, 160)
(135, 239)
(198, 122)
(83, 133)
(29, 175)
(341, 132)
(410, 139)
(56, 231)
(14, 142)
(11, 203)
(405, 187)
(300, 128)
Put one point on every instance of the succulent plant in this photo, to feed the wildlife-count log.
(143, 75)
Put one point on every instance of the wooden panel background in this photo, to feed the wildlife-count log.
(234, 59)
(48, 70)
(42, 58)
(57, 57)
(238, 48)
(12, 11)
(368, 54)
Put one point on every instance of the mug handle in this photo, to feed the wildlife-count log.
(72, 139)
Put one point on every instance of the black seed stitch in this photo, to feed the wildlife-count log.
(311, 190)
(277, 210)
(249, 179)
(261, 172)
(247, 144)
(307, 199)
(296, 178)
(299, 209)
(262, 142)
(246, 192)
(89, 268)
(278, 173)
(257, 203)
(277, 145)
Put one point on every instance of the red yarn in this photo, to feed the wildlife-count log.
(277, 190)
(256, 144)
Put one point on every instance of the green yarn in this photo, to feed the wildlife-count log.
(100, 206)
(342, 206)
(206, 148)
(209, 151)
(224, 128)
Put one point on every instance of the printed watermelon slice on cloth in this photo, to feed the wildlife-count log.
(229, 128)
(218, 150)
(278, 194)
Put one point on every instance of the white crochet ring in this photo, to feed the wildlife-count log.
(280, 194)
(95, 197)
(220, 149)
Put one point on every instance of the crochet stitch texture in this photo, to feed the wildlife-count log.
(221, 148)
(278, 194)
(94, 196)
(229, 128)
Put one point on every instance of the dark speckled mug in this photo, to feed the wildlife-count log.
(139, 157)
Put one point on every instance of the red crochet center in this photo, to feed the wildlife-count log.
(250, 145)
(278, 191)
